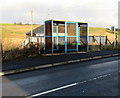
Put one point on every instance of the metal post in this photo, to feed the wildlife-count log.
(100, 43)
(106, 40)
(52, 38)
(87, 30)
(57, 34)
(44, 37)
(1, 51)
(31, 23)
(114, 38)
(39, 50)
(77, 36)
(65, 37)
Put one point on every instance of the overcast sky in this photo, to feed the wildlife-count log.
(98, 13)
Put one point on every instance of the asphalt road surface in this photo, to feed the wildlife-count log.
(90, 78)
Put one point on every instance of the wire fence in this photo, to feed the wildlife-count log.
(100, 42)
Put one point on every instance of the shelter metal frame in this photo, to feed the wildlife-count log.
(54, 44)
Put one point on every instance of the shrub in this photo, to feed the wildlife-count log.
(18, 53)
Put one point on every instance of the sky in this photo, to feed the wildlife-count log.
(98, 13)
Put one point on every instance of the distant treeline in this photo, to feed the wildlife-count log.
(21, 23)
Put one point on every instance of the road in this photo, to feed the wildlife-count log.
(90, 78)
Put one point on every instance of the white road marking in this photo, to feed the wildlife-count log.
(1, 73)
(70, 85)
(56, 89)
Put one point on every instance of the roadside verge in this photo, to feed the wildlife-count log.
(51, 61)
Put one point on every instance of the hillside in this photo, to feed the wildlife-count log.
(94, 31)
(14, 35)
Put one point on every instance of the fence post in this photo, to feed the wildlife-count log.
(116, 40)
(100, 43)
(106, 40)
(93, 39)
(1, 52)
(39, 50)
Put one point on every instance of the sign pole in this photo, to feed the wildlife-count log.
(114, 37)
(31, 23)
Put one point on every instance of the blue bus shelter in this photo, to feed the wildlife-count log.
(65, 36)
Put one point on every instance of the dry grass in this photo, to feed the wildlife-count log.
(93, 31)
(11, 43)
(14, 35)
(12, 39)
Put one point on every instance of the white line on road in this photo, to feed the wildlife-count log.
(70, 85)
(56, 89)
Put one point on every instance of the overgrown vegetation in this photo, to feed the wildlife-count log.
(21, 53)
(94, 48)
(104, 47)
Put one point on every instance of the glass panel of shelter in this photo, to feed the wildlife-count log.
(48, 29)
(48, 43)
(71, 29)
(83, 36)
(48, 34)
(59, 36)
(71, 36)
